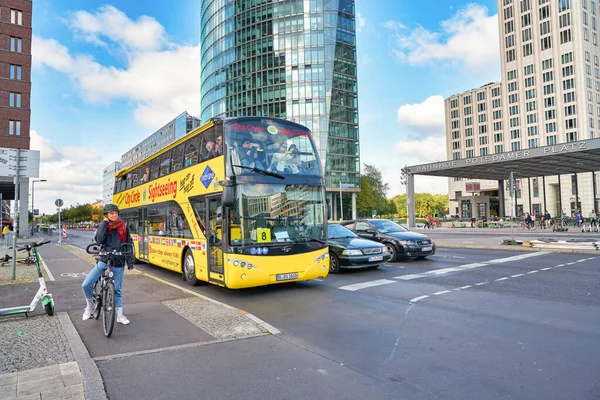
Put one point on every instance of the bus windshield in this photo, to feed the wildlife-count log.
(270, 214)
(278, 147)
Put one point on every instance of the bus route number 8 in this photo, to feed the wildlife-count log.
(264, 235)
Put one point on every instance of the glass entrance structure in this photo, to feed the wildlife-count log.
(292, 59)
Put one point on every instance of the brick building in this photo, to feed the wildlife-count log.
(15, 73)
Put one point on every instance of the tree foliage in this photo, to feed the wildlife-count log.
(373, 194)
(425, 204)
(80, 213)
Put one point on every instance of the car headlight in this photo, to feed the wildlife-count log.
(352, 253)
(407, 242)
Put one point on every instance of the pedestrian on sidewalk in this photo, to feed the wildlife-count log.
(111, 233)
(593, 217)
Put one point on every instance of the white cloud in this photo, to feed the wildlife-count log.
(427, 116)
(361, 22)
(161, 79)
(73, 174)
(144, 34)
(430, 149)
(470, 37)
(395, 25)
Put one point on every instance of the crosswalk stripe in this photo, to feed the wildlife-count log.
(364, 285)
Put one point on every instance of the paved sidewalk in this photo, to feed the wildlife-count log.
(61, 381)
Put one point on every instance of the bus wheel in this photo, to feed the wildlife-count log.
(189, 268)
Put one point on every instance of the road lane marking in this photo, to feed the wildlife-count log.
(535, 271)
(465, 287)
(501, 279)
(545, 269)
(443, 271)
(481, 283)
(559, 265)
(364, 285)
(585, 259)
(442, 292)
(418, 298)
(571, 263)
(516, 276)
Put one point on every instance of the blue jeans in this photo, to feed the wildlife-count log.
(94, 275)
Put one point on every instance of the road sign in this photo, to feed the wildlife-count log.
(29, 162)
(58, 203)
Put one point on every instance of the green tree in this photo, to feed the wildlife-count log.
(373, 193)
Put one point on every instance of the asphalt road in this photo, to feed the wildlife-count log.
(464, 324)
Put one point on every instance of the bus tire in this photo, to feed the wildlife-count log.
(189, 268)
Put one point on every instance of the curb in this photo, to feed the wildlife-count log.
(92, 380)
(514, 248)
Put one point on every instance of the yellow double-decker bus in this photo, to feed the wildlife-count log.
(238, 202)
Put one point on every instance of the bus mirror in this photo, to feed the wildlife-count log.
(227, 196)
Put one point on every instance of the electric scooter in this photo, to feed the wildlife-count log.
(42, 293)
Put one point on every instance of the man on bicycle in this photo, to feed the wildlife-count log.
(529, 221)
(111, 233)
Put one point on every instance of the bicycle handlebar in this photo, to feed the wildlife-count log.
(30, 246)
(96, 249)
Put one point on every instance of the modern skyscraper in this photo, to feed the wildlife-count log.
(295, 60)
(550, 94)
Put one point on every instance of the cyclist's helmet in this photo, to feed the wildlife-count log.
(110, 207)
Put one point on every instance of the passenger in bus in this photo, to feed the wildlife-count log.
(218, 151)
(208, 152)
(249, 155)
(293, 159)
(278, 160)
(146, 175)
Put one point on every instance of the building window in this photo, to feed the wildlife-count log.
(16, 17)
(515, 146)
(571, 136)
(547, 64)
(470, 154)
(497, 137)
(15, 100)
(546, 42)
(15, 72)
(16, 44)
(483, 151)
(532, 143)
(551, 127)
(527, 49)
(498, 148)
(550, 140)
(14, 128)
(565, 36)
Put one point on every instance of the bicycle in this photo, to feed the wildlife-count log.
(104, 294)
(524, 225)
(42, 293)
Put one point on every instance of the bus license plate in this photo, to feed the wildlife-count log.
(376, 258)
(286, 277)
(427, 248)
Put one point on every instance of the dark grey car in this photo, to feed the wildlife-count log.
(399, 240)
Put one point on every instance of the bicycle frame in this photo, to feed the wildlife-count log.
(42, 293)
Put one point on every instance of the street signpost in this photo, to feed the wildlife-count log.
(59, 203)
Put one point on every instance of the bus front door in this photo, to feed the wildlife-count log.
(142, 233)
(215, 239)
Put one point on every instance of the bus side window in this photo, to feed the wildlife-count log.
(191, 152)
(200, 212)
(177, 158)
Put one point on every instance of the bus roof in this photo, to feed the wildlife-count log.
(197, 131)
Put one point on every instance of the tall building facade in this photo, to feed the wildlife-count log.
(15, 72)
(108, 181)
(295, 60)
(550, 94)
(15, 93)
(169, 133)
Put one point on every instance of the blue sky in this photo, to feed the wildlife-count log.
(107, 74)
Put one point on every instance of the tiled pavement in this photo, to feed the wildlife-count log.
(61, 381)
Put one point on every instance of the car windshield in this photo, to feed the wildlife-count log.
(387, 226)
(339, 232)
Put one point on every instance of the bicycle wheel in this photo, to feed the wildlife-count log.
(109, 309)
(97, 297)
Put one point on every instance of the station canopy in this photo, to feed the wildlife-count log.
(560, 159)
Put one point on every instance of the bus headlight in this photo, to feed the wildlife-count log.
(236, 263)
(243, 276)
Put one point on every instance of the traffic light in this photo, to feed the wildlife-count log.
(404, 175)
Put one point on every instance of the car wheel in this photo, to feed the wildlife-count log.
(334, 264)
(392, 250)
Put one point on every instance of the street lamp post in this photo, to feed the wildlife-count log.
(32, 191)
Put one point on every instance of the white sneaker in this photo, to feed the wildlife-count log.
(87, 313)
(123, 320)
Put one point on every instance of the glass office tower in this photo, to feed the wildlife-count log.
(293, 59)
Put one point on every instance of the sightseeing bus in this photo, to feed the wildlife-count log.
(237, 202)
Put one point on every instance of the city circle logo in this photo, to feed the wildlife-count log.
(272, 130)
(144, 195)
(207, 177)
